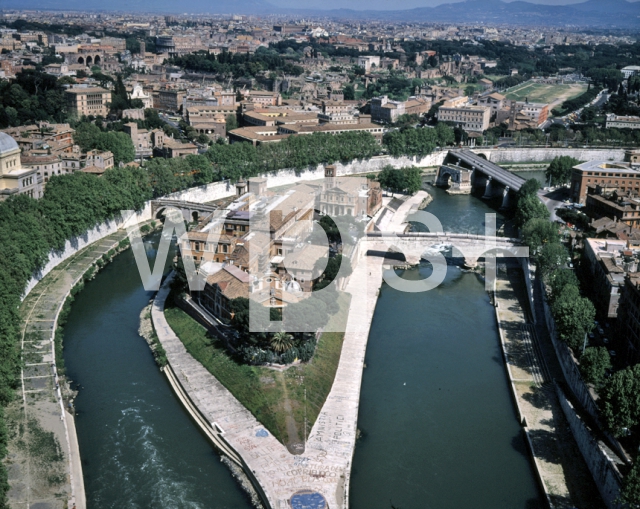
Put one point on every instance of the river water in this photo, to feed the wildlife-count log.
(438, 424)
(447, 439)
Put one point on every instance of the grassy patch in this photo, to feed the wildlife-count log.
(276, 399)
(541, 92)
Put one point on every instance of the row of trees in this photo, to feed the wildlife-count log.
(418, 142)
(237, 65)
(30, 229)
(574, 316)
(403, 180)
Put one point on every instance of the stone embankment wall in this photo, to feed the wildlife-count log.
(568, 363)
(527, 155)
(606, 475)
(89, 237)
(285, 177)
(573, 377)
(218, 190)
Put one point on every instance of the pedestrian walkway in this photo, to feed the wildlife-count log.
(49, 474)
(560, 466)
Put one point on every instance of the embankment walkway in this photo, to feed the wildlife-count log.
(562, 472)
(39, 411)
(324, 468)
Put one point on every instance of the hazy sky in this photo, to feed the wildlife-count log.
(392, 4)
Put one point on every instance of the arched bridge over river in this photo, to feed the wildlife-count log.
(417, 245)
(463, 170)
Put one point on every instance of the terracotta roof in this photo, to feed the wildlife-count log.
(94, 170)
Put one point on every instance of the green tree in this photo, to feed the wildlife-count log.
(559, 279)
(529, 188)
(574, 316)
(551, 257)
(620, 400)
(630, 493)
(349, 92)
(594, 363)
(231, 123)
(392, 179)
(413, 179)
(530, 207)
(537, 232)
(281, 342)
(559, 171)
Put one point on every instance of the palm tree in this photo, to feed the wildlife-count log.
(281, 341)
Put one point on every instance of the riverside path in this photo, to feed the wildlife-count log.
(319, 477)
(45, 468)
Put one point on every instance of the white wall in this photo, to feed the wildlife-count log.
(284, 177)
(524, 155)
(89, 237)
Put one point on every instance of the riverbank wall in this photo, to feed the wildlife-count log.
(288, 176)
(605, 473)
(98, 232)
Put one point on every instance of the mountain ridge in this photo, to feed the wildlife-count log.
(591, 13)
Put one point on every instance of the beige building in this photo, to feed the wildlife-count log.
(470, 118)
(88, 101)
(368, 62)
(143, 140)
(621, 122)
(14, 179)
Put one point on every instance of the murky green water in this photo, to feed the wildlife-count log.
(447, 439)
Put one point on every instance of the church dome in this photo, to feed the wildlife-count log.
(7, 144)
(292, 287)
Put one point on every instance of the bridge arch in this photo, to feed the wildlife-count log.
(80, 60)
(484, 156)
(89, 60)
(97, 60)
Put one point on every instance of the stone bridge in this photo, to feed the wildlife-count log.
(463, 170)
(420, 245)
(191, 211)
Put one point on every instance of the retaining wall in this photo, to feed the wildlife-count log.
(604, 472)
(75, 244)
(522, 155)
(567, 363)
(283, 177)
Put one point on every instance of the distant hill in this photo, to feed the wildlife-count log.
(592, 13)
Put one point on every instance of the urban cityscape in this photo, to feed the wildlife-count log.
(298, 256)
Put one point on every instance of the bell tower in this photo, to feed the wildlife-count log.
(329, 177)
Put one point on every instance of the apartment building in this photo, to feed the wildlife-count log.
(537, 113)
(461, 113)
(85, 101)
(622, 177)
(622, 122)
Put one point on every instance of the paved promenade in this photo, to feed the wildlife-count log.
(47, 473)
(563, 473)
(323, 470)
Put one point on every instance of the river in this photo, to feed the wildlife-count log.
(448, 438)
(438, 424)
